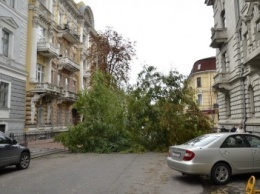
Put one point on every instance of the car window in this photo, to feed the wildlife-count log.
(234, 141)
(4, 140)
(201, 140)
(253, 141)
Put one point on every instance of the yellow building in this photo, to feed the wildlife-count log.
(58, 37)
(201, 80)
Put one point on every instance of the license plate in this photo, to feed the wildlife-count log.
(176, 154)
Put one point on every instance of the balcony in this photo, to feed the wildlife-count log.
(209, 2)
(86, 74)
(44, 12)
(68, 64)
(69, 96)
(48, 49)
(46, 88)
(69, 34)
(219, 36)
(252, 1)
(221, 82)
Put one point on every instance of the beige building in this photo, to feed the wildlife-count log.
(58, 36)
(201, 80)
(236, 37)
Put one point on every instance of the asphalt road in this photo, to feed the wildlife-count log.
(108, 174)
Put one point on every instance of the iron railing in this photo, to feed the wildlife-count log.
(24, 138)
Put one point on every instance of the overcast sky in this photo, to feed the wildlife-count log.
(169, 34)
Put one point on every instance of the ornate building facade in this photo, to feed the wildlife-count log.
(201, 80)
(13, 38)
(58, 37)
(236, 37)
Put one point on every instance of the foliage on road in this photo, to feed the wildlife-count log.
(162, 110)
(156, 112)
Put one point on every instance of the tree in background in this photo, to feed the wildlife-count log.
(162, 112)
(111, 53)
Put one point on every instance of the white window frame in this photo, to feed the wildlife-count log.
(8, 95)
(199, 66)
(66, 84)
(5, 25)
(40, 73)
(200, 99)
(5, 42)
(41, 31)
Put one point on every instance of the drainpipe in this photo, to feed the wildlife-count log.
(243, 98)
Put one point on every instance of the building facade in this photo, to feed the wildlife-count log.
(58, 38)
(201, 80)
(13, 38)
(236, 37)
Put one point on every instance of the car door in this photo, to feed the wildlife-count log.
(8, 152)
(236, 152)
(254, 142)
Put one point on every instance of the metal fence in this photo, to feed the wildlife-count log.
(24, 138)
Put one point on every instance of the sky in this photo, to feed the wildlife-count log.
(169, 34)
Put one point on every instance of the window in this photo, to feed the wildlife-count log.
(199, 66)
(66, 84)
(12, 3)
(235, 141)
(4, 140)
(223, 19)
(67, 117)
(228, 109)
(40, 115)
(4, 94)
(40, 73)
(74, 86)
(5, 43)
(2, 128)
(198, 82)
(59, 116)
(41, 33)
(223, 63)
(251, 101)
(199, 99)
(59, 79)
(253, 141)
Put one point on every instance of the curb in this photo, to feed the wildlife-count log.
(38, 155)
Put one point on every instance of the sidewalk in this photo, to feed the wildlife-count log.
(45, 147)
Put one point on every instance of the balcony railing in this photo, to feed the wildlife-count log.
(70, 35)
(221, 81)
(66, 63)
(209, 2)
(48, 49)
(219, 36)
(44, 12)
(86, 73)
(252, 1)
(47, 88)
(70, 95)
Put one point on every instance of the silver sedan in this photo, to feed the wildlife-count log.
(217, 155)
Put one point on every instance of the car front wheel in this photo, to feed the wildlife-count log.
(220, 173)
(24, 161)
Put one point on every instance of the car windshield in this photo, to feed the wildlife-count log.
(201, 140)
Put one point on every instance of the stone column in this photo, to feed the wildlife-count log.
(33, 55)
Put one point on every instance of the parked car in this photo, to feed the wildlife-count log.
(217, 155)
(11, 153)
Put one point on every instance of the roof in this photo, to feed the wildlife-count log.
(207, 64)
